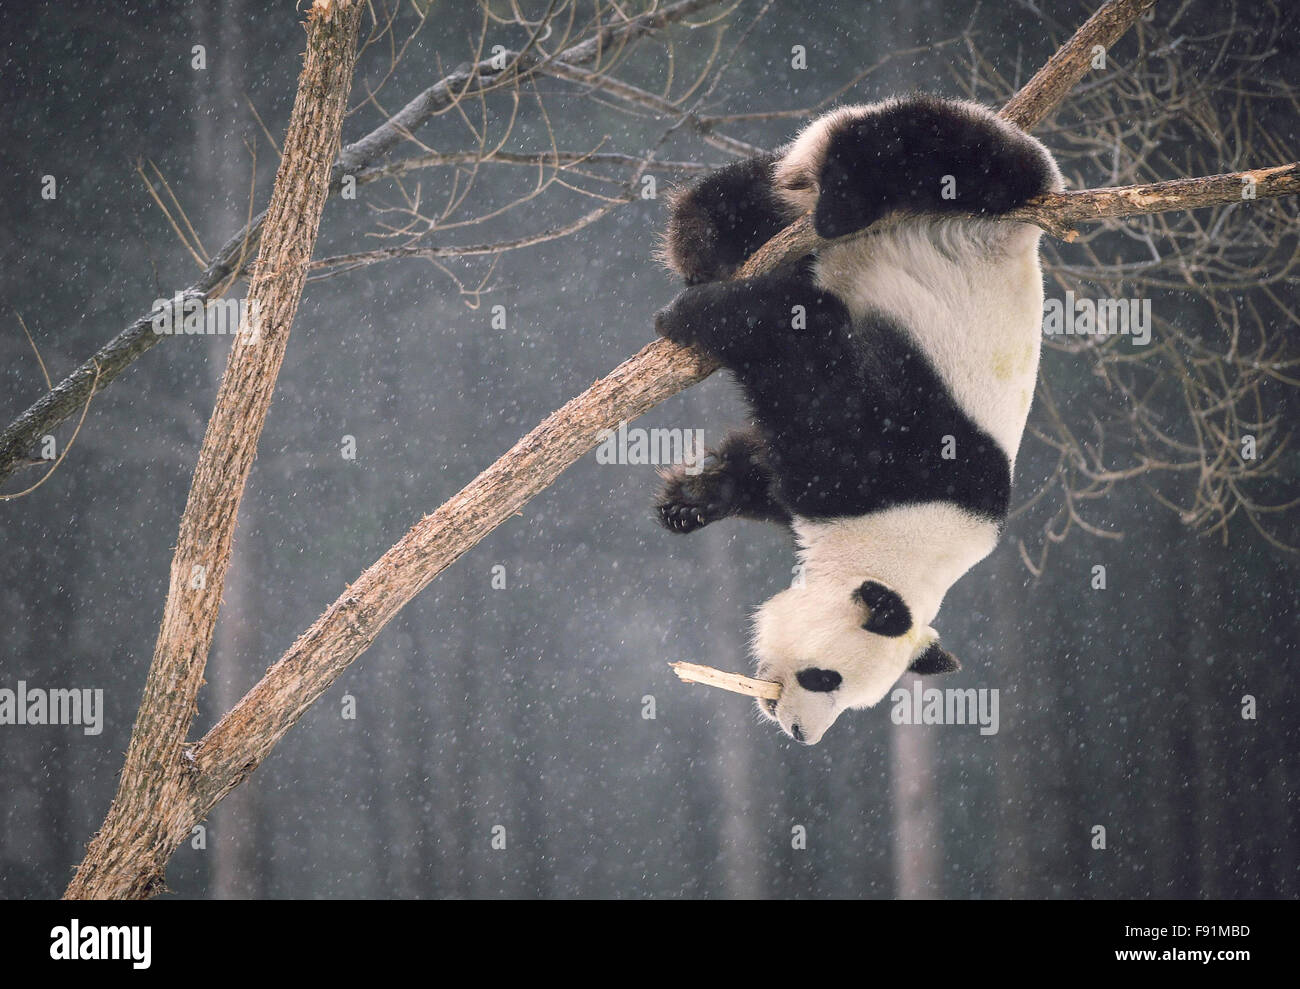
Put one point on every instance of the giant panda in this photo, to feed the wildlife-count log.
(889, 378)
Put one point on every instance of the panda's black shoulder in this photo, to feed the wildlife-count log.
(908, 151)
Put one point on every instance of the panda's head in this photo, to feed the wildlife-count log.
(834, 647)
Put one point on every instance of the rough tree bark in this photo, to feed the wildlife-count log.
(126, 858)
(68, 397)
(246, 735)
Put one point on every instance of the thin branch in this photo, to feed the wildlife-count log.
(608, 85)
(548, 159)
(104, 366)
(67, 448)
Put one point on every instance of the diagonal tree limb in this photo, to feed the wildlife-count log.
(125, 858)
(239, 742)
(95, 373)
(1039, 98)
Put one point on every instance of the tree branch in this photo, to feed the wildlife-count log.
(607, 84)
(95, 373)
(1039, 98)
(544, 159)
(1058, 212)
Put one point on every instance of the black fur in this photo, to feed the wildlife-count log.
(908, 149)
(724, 218)
(934, 660)
(887, 613)
(736, 479)
(819, 681)
(852, 416)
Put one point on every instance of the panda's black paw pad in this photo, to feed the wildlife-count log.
(671, 324)
(691, 501)
(682, 518)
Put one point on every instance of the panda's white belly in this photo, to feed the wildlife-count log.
(970, 293)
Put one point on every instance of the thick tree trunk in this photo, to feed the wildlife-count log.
(151, 815)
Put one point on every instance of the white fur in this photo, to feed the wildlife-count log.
(970, 294)
(970, 298)
(919, 551)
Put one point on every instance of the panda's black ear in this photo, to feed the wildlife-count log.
(935, 659)
(887, 613)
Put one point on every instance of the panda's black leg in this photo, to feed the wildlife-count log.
(926, 155)
(735, 479)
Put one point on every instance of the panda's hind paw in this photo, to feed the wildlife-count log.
(689, 502)
(676, 517)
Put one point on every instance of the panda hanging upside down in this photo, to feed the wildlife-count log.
(889, 378)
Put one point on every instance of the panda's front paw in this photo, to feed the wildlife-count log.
(694, 247)
(849, 198)
(689, 502)
(674, 322)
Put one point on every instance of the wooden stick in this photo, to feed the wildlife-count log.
(737, 683)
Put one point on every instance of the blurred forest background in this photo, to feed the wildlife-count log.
(522, 707)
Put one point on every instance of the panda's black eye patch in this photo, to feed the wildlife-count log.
(819, 681)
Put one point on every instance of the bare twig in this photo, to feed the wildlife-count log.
(102, 368)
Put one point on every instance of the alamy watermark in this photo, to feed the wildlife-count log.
(651, 446)
(192, 315)
(38, 706)
(92, 942)
(951, 706)
(1098, 317)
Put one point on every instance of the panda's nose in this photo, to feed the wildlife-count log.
(797, 732)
